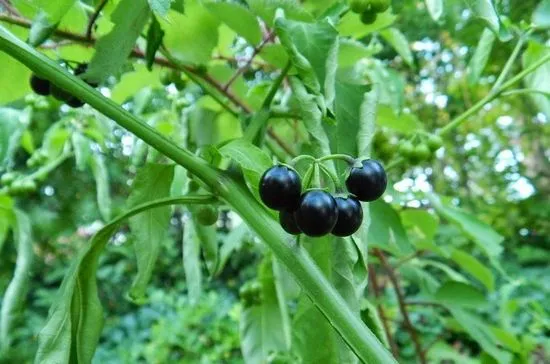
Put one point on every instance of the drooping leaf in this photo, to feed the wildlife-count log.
(191, 261)
(47, 19)
(152, 182)
(238, 18)
(231, 242)
(154, 41)
(481, 56)
(14, 297)
(113, 49)
(195, 44)
(435, 8)
(262, 325)
(400, 43)
(101, 176)
(75, 320)
(540, 78)
(82, 150)
(473, 266)
(12, 125)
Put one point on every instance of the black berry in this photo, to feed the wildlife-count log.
(74, 102)
(280, 188)
(59, 94)
(288, 222)
(367, 182)
(317, 213)
(82, 68)
(40, 86)
(350, 216)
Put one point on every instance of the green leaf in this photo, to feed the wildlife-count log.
(191, 261)
(209, 242)
(367, 124)
(75, 320)
(401, 45)
(195, 44)
(231, 242)
(274, 54)
(238, 18)
(101, 176)
(435, 8)
(262, 325)
(541, 15)
(132, 82)
(486, 11)
(313, 50)
(482, 234)
(113, 49)
(540, 78)
(386, 230)
(336, 258)
(15, 83)
(55, 139)
(351, 25)
(351, 51)
(389, 84)
(266, 9)
(12, 125)
(370, 317)
(6, 217)
(152, 182)
(473, 266)
(481, 56)
(423, 223)
(14, 297)
(154, 41)
(253, 161)
(459, 294)
(82, 150)
(481, 333)
(160, 7)
(47, 19)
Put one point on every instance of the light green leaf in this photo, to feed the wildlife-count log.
(541, 15)
(15, 83)
(386, 230)
(253, 161)
(473, 266)
(195, 44)
(351, 25)
(132, 82)
(14, 297)
(435, 8)
(482, 234)
(481, 56)
(262, 325)
(485, 10)
(101, 176)
(55, 139)
(540, 78)
(152, 182)
(238, 18)
(82, 150)
(351, 51)
(481, 333)
(75, 320)
(113, 49)
(47, 19)
(389, 84)
(12, 125)
(423, 223)
(274, 54)
(160, 7)
(209, 242)
(265, 9)
(460, 294)
(231, 242)
(370, 317)
(401, 45)
(192, 261)
(367, 124)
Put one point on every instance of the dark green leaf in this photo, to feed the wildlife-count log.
(6, 217)
(152, 182)
(481, 56)
(459, 294)
(540, 78)
(154, 41)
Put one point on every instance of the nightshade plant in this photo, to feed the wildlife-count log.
(291, 115)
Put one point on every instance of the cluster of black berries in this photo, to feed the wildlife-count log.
(316, 212)
(369, 9)
(44, 87)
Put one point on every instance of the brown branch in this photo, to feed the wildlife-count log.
(402, 306)
(241, 70)
(93, 18)
(381, 312)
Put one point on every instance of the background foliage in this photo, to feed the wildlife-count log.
(456, 269)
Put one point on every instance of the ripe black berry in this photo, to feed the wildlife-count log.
(280, 188)
(59, 94)
(368, 182)
(350, 216)
(74, 102)
(80, 69)
(317, 213)
(288, 222)
(39, 85)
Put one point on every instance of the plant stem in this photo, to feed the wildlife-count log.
(402, 306)
(344, 157)
(510, 62)
(47, 168)
(93, 18)
(314, 283)
(275, 86)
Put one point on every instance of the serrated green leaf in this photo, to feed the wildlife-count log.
(473, 266)
(435, 8)
(400, 43)
(540, 78)
(262, 325)
(154, 41)
(113, 49)
(238, 18)
(253, 161)
(541, 15)
(195, 44)
(152, 182)
(14, 297)
(481, 56)
(101, 176)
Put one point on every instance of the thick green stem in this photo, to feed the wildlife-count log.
(363, 342)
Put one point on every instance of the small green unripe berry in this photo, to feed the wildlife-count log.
(358, 6)
(166, 77)
(434, 142)
(368, 17)
(421, 152)
(207, 215)
(379, 6)
(8, 177)
(406, 148)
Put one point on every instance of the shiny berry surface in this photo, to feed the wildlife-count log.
(367, 182)
(350, 216)
(39, 85)
(280, 188)
(288, 222)
(317, 213)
